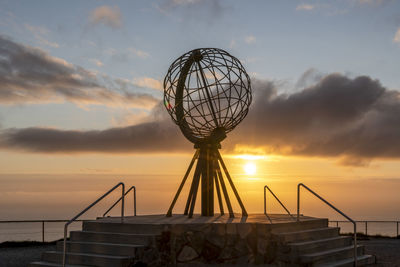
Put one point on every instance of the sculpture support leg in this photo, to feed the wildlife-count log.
(244, 212)
(228, 202)
(195, 156)
(195, 184)
(207, 184)
(221, 205)
(192, 187)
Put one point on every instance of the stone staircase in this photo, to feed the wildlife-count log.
(109, 243)
(319, 246)
(103, 244)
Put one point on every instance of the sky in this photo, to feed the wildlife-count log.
(82, 85)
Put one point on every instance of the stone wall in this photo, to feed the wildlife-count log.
(214, 243)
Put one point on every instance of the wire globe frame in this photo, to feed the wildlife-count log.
(207, 93)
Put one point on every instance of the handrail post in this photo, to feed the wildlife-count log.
(298, 202)
(122, 203)
(265, 200)
(397, 229)
(65, 244)
(42, 231)
(366, 227)
(355, 244)
(134, 200)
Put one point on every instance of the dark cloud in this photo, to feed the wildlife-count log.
(29, 75)
(309, 77)
(143, 138)
(355, 120)
(159, 134)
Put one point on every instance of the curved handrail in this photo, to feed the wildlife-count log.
(86, 209)
(116, 202)
(265, 203)
(333, 207)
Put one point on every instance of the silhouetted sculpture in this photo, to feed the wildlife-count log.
(207, 92)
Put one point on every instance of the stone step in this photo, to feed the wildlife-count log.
(100, 248)
(117, 227)
(116, 238)
(305, 247)
(361, 261)
(307, 235)
(331, 255)
(88, 259)
(299, 226)
(52, 264)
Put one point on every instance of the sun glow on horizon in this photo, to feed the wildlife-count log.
(250, 168)
(250, 157)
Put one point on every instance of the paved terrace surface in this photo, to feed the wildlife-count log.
(197, 219)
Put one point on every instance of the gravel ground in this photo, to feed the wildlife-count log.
(386, 250)
(22, 256)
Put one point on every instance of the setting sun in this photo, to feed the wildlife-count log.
(250, 168)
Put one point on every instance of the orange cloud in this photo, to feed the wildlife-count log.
(106, 15)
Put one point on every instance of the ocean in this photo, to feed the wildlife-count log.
(41, 197)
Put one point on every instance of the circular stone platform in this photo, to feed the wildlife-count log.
(218, 239)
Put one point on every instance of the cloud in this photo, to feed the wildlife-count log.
(251, 39)
(232, 44)
(354, 120)
(185, 2)
(324, 7)
(97, 62)
(396, 38)
(128, 118)
(137, 52)
(309, 77)
(142, 138)
(147, 82)
(126, 54)
(39, 33)
(371, 2)
(198, 10)
(106, 15)
(305, 7)
(336, 117)
(158, 135)
(30, 76)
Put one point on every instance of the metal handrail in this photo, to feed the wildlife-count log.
(39, 221)
(87, 208)
(265, 203)
(116, 202)
(333, 207)
(368, 221)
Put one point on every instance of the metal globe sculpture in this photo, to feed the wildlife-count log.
(207, 93)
